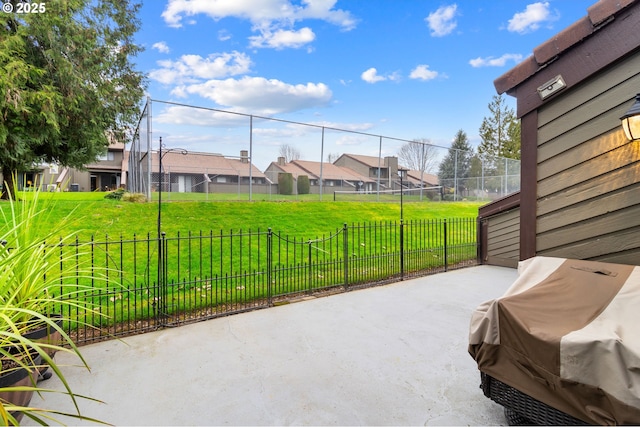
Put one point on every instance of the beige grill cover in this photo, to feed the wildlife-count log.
(567, 332)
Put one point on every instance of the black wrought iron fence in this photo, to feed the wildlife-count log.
(169, 280)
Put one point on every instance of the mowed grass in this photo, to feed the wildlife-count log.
(227, 272)
(93, 215)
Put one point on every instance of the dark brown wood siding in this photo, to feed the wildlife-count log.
(588, 195)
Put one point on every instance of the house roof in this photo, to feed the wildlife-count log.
(197, 163)
(577, 49)
(371, 161)
(290, 167)
(329, 170)
(429, 179)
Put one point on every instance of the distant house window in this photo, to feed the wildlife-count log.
(107, 156)
(373, 172)
(221, 179)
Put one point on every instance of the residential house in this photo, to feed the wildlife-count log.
(332, 176)
(383, 170)
(580, 195)
(186, 171)
(417, 179)
(104, 174)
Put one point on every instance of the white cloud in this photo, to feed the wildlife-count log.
(490, 61)
(179, 91)
(323, 9)
(422, 72)
(191, 68)
(371, 76)
(357, 127)
(182, 115)
(283, 38)
(394, 77)
(530, 20)
(288, 131)
(351, 140)
(272, 19)
(442, 22)
(258, 95)
(161, 47)
(223, 35)
(296, 130)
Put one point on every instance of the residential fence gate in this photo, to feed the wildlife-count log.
(154, 282)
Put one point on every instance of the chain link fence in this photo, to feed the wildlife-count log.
(210, 154)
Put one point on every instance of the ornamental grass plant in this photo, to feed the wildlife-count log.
(35, 287)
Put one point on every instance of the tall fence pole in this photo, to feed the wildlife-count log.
(149, 137)
(163, 292)
(345, 254)
(446, 260)
(310, 273)
(269, 265)
(250, 160)
(321, 163)
(401, 246)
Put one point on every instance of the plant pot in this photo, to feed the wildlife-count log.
(46, 334)
(19, 378)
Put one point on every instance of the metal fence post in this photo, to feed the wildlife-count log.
(269, 265)
(402, 248)
(345, 254)
(162, 280)
(446, 260)
(310, 273)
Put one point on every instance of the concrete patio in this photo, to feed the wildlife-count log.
(389, 355)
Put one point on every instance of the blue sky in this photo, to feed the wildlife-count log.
(406, 69)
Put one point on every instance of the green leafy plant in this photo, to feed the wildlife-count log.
(115, 195)
(134, 198)
(303, 184)
(33, 287)
(285, 183)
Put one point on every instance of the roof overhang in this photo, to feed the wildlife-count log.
(607, 34)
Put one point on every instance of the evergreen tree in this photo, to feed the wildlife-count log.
(456, 166)
(500, 133)
(68, 84)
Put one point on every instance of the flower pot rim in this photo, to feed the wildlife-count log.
(11, 377)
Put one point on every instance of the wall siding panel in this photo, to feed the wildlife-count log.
(600, 166)
(631, 257)
(588, 195)
(590, 189)
(592, 230)
(590, 208)
(589, 130)
(584, 152)
(616, 245)
(504, 239)
(625, 70)
(612, 99)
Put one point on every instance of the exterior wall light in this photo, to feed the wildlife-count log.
(631, 121)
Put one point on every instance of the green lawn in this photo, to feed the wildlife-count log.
(224, 266)
(95, 215)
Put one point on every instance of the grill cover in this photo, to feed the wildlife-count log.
(567, 333)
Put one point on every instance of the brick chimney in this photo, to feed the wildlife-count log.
(244, 156)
